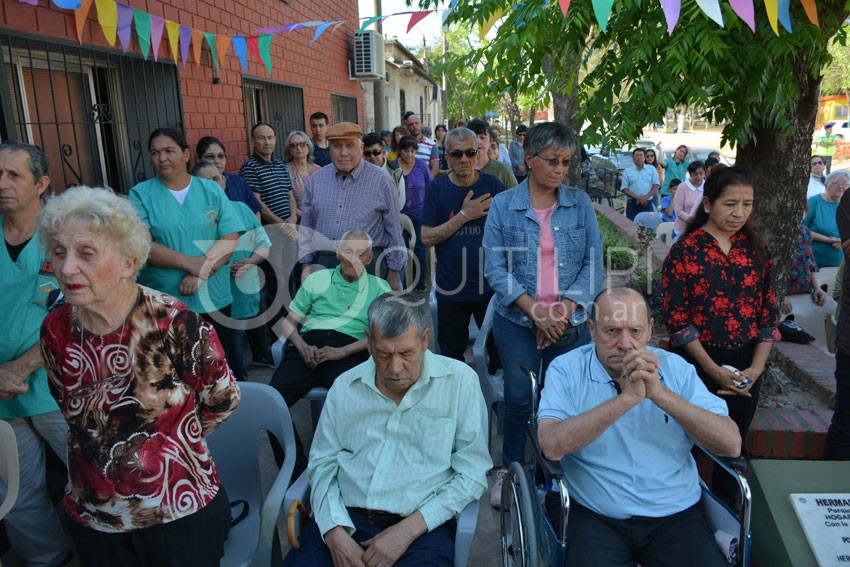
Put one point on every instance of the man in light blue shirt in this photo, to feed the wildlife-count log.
(623, 417)
(400, 449)
(639, 184)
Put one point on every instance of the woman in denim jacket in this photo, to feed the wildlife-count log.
(543, 258)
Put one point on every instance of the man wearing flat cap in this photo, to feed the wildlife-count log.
(351, 193)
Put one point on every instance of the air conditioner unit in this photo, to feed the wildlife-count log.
(369, 61)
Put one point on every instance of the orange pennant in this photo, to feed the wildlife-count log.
(811, 11)
(222, 44)
(81, 14)
(197, 44)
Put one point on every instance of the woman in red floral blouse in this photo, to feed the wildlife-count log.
(141, 381)
(719, 303)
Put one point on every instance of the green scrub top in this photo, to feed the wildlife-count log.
(24, 286)
(191, 228)
(246, 288)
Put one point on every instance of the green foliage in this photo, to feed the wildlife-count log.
(615, 250)
(836, 76)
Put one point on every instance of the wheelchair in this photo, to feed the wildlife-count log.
(534, 520)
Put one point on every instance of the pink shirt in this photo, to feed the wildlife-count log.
(685, 201)
(547, 275)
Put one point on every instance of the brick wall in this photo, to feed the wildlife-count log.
(320, 68)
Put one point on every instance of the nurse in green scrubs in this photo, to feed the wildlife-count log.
(194, 228)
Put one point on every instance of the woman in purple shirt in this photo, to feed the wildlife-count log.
(417, 175)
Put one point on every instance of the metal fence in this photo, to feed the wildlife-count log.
(91, 110)
(278, 104)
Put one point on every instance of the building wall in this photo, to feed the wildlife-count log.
(320, 68)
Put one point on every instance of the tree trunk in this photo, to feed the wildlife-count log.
(532, 114)
(565, 103)
(680, 124)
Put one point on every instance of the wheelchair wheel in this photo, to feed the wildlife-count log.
(519, 533)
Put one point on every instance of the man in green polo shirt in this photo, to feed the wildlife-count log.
(331, 307)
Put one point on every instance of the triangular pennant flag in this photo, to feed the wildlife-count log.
(173, 29)
(157, 25)
(197, 45)
(772, 8)
(254, 45)
(485, 26)
(30, 2)
(185, 40)
(811, 11)
(107, 15)
(368, 22)
(210, 37)
(125, 25)
(240, 49)
(565, 6)
(81, 14)
(745, 11)
(142, 21)
(266, 50)
(222, 44)
(602, 11)
(336, 27)
(321, 29)
(712, 10)
(671, 9)
(417, 17)
(66, 4)
(785, 14)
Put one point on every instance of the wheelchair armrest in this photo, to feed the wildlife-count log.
(737, 467)
(551, 469)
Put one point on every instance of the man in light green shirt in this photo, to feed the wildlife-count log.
(400, 449)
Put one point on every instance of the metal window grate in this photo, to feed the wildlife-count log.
(344, 108)
(91, 110)
(277, 104)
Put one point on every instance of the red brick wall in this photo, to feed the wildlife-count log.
(320, 68)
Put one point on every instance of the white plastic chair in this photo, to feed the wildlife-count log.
(650, 220)
(234, 447)
(9, 467)
(299, 492)
(492, 385)
(316, 396)
(664, 233)
(826, 277)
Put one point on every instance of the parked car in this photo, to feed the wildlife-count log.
(839, 128)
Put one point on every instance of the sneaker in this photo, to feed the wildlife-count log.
(496, 490)
(264, 359)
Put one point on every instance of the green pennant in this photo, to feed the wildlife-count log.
(368, 22)
(142, 21)
(210, 37)
(265, 45)
(602, 9)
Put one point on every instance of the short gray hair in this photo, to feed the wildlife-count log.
(287, 153)
(548, 135)
(392, 314)
(202, 165)
(101, 211)
(835, 175)
(459, 135)
(356, 233)
(38, 164)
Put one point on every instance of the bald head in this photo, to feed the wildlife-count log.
(611, 301)
(621, 324)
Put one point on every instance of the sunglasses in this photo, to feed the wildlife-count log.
(818, 163)
(457, 154)
(553, 162)
(373, 153)
(298, 145)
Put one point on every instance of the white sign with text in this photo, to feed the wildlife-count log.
(826, 522)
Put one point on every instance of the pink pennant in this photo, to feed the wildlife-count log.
(157, 25)
(417, 17)
(745, 11)
(125, 22)
(565, 6)
(671, 9)
(30, 2)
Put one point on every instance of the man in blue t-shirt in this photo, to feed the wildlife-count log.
(453, 218)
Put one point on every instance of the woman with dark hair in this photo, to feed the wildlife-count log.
(652, 161)
(688, 197)
(417, 175)
(194, 229)
(719, 303)
(210, 148)
(440, 137)
(398, 133)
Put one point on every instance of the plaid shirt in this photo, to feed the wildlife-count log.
(365, 199)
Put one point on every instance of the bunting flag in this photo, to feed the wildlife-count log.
(565, 6)
(240, 49)
(772, 9)
(744, 9)
(222, 44)
(65, 4)
(185, 40)
(672, 9)
(125, 25)
(142, 21)
(81, 14)
(602, 10)
(368, 22)
(173, 30)
(157, 26)
(30, 2)
(254, 45)
(210, 37)
(712, 10)
(785, 14)
(485, 26)
(265, 46)
(107, 15)
(417, 17)
(811, 11)
(321, 29)
(197, 45)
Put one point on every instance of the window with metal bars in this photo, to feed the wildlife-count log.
(278, 104)
(344, 108)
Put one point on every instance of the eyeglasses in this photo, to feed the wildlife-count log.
(457, 154)
(553, 162)
(211, 157)
(839, 185)
(818, 163)
(298, 145)
(373, 153)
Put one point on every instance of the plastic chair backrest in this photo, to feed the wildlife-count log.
(826, 277)
(410, 267)
(235, 450)
(664, 233)
(649, 220)
(9, 467)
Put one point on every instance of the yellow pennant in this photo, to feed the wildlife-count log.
(107, 15)
(173, 29)
(485, 26)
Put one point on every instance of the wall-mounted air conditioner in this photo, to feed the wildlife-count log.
(369, 61)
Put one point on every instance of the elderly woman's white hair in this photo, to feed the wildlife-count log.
(101, 211)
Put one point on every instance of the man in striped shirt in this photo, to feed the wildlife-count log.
(427, 148)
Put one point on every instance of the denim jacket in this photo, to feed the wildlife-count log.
(512, 243)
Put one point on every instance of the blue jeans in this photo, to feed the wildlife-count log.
(633, 208)
(518, 345)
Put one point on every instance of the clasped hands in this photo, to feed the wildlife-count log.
(640, 378)
(383, 550)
